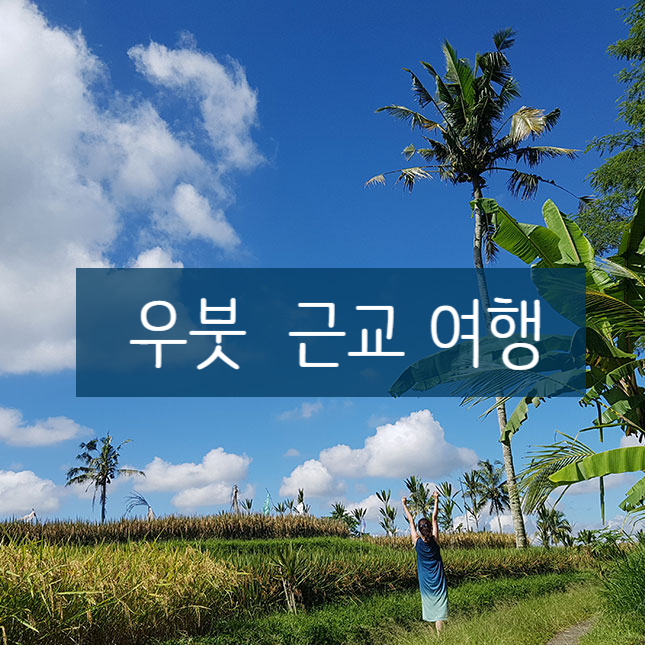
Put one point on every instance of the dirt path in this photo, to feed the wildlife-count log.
(572, 635)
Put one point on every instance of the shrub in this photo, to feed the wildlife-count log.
(625, 589)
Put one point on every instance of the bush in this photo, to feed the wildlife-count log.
(625, 589)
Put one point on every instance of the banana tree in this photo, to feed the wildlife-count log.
(615, 313)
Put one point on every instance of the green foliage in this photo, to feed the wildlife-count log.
(100, 467)
(622, 175)
(339, 513)
(493, 488)
(388, 513)
(372, 621)
(552, 526)
(471, 103)
(420, 500)
(473, 496)
(447, 505)
(625, 590)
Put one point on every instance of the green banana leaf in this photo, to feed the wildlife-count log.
(620, 460)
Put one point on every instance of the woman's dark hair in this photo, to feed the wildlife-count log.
(425, 529)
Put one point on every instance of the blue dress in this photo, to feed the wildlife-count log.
(432, 581)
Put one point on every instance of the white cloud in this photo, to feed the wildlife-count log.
(415, 444)
(206, 483)
(314, 478)
(292, 452)
(155, 258)
(632, 440)
(211, 495)
(193, 217)
(21, 491)
(305, 410)
(216, 466)
(71, 170)
(14, 430)
(228, 105)
(622, 480)
(371, 504)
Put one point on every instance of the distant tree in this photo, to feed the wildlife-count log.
(420, 500)
(447, 505)
(100, 467)
(359, 515)
(247, 505)
(618, 179)
(339, 512)
(301, 507)
(280, 508)
(388, 513)
(552, 525)
(494, 490)
(472, 493)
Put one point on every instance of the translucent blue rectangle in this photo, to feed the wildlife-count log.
(314, 332)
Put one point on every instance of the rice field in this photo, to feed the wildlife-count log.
(224, 526)
(132, 592)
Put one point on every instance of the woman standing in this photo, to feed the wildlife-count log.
(432, 579)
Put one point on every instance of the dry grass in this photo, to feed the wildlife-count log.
(224, 526)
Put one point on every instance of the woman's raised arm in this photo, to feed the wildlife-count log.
(435, 512)
(413, 529)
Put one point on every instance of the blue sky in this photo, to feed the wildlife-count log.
(240, 135)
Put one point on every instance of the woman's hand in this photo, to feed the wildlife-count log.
(435, 495)
(404, 501)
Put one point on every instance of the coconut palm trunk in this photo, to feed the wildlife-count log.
(509, 467)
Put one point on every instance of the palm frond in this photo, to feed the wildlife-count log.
(377, 179)
(523, 184)
(526, 122)
(415, 119)
(423, 96)
(504, 38)
(410, 175)
(544, 461)
(535, 155)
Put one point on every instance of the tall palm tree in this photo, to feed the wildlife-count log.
(101, 466)
(494, 489)
(471, 103)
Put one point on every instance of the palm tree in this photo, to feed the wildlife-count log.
(359, 515)
(494, 490)
(472, 485)
(247, 505)
(388, 513)
(420, 502)
(472, 104)
(280, 508)
(447, 505)
(552, 525)
(101, 466)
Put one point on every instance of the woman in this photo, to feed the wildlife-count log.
(432, 579)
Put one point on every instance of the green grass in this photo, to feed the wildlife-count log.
(623, 593)
(531, 621)
(372, 620)
(614, 631)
